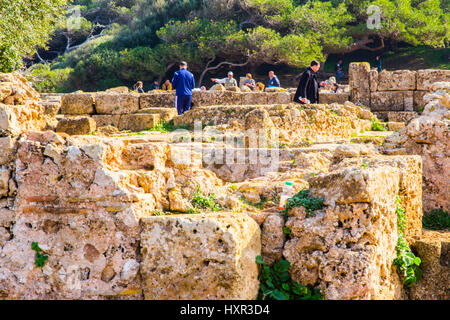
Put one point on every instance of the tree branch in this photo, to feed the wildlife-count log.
(220, 65)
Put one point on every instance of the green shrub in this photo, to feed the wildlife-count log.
(406, 262)
(45, 79)
(303, 199)
(40, 259)
(377, 125)
(276, 283)
(436, 219)
(199, 201)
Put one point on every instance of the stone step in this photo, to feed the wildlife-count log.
(138, 121)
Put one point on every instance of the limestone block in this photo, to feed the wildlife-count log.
(106, 120)
(76, 125)
(202, 98)
(165, 114)
(350, 185)
(279, 98)
(51, 108)
(359, 82)
(77, 103)
(5, 173)
(255, 98)
(329, 97)
(426, 78)
(138, 121)
(272, 238)
(157, 100)
(110, 103)
(373, 79)
(410, 184)
(401, 116)
(7, 149)
(391, 101)
(119, 90)
(227, 98)
(433, 248)
(395, 126)
(419, 102)
(207, 256)
(399, 80)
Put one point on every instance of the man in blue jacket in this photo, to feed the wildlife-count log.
(273, 80)
(183, 82)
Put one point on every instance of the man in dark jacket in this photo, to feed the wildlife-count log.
(308, 87)
(183, 82)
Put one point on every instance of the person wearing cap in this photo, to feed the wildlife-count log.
(183, 82)
(227, 82)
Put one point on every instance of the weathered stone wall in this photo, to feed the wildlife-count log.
(429, 136)
(399, 90)
(347, 249)
(292, 123)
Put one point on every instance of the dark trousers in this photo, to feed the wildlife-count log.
(183, 104)
(339, 75)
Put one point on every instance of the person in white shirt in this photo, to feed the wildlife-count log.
(227, 82)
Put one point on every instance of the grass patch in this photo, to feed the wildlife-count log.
(436, 219)
(277, 284)
(165, 127)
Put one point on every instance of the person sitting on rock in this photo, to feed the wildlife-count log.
(273, 80)
(335, 88)
(154, 85)
(227, 82)
(260, 86)
(167, 86)
(139, 87)
(249, 82)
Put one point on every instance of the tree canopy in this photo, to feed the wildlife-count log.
(120, 41)
(24, 26)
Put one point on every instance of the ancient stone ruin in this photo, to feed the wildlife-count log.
(100, 200)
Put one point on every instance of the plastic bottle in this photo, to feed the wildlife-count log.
(287, 193)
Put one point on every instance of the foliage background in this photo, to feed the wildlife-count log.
(98, 44)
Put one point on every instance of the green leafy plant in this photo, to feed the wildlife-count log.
(158, 213)
(377, 125)
(406, 262)
(258, 205)
(199, 201)
(436, 219)
(303, 199)
(40, 258)
(277, 284)
(364, 165)
(287, 231)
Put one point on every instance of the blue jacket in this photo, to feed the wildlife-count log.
(274, 82)
(183, 81)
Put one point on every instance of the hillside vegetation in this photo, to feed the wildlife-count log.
(101, 44)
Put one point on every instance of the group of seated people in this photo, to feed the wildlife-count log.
(227, 82)
(249, 82)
